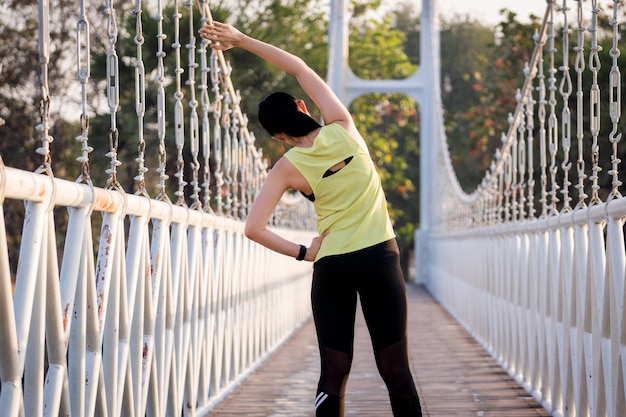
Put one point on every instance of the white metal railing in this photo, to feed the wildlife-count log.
(175, 307)
(539, 281)
(126, 304)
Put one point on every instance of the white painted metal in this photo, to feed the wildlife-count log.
(170, 297)
(545, 295)
(152, 308)
(137, 306)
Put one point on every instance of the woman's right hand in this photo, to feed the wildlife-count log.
(222, 36)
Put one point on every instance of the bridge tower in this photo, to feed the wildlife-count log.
(423, 86)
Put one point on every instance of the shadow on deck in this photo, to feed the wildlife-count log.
(453, 374)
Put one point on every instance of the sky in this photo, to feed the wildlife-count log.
(487, 10)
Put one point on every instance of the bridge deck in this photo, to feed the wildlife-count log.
(453, 374)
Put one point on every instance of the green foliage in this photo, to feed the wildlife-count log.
(480, 74)
(479, 92)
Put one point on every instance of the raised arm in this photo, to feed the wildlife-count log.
(333, 111)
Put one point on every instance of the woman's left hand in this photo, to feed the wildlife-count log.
(316, 243)
(222, 36)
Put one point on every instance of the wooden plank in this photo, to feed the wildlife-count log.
(453, 374)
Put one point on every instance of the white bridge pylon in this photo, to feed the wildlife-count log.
(423, 86)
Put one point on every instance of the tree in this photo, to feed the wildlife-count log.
(466, 61)
(475, 133)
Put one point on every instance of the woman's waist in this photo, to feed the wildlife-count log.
(345, 241)
(371, 251)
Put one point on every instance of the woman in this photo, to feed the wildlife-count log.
(356, 252)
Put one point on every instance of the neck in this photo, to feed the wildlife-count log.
(307, 140)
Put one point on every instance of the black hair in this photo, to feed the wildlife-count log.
(279, 113)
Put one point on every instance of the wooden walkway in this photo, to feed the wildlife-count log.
(453, 374)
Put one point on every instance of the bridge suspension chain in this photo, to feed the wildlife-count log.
(205, 101)
(83, 72)
(160, 105)
(179, 124)
(615, 103)
(113, 94)
(194, 123)
(44, 108)
(539, 144)
(140, 102)
(565, 89)
(553, 125)
(579, 66)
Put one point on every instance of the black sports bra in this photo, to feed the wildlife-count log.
(328, 173)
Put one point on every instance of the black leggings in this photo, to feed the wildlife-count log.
(375, 275)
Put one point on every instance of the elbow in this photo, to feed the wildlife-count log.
(251, 232)
(301, 68)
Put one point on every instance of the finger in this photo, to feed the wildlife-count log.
(220, 47)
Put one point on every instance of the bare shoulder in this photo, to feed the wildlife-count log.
(286, 172)
(283, 165)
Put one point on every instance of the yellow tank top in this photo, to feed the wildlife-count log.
(350, 203)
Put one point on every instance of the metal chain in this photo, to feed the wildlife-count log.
(594, 105)
(513, 150)
(113, 94)
(553, 126)
(615, 100)
(44, 106)
(541, 88)
(160, 54)
(579, 67)
(530, 129)
(244, 174)
(508, 178)
(179, 121)
(227, 155)
(250, 172)
(499, 214)
(140, 102)
(234, 160)
(194, 128)
(205, 101)
(217, 130)
(83, 72)
(521, 162)
(497, 191)
(565, 89)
